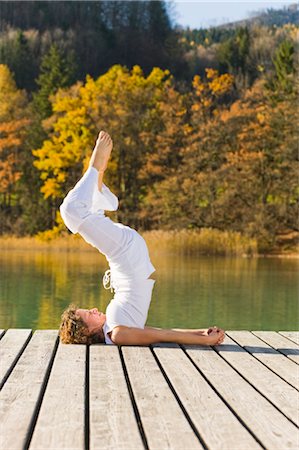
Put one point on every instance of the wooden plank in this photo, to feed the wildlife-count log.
(60, 424)
(163, 421)
(271, 427)
(112, 420)
(280, 343)
(292, 335)
(277, 362)
(20, 393)
(281, 394)
(11, 346)
(214, 421)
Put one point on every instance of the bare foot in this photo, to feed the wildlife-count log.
(101, 153)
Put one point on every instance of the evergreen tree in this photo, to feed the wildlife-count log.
(17, 55)
(56, 72)
(101, 34)
(281, 82)
(233, 56)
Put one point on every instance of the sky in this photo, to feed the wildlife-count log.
(202, 14)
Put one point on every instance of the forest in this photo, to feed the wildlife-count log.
(204, 122)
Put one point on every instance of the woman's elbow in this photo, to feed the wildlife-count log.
(122, 335)
(119, 336)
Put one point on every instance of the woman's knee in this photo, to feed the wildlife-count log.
(70, 208)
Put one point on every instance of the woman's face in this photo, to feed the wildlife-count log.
(93, 318)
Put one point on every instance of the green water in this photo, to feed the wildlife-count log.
(233, 293)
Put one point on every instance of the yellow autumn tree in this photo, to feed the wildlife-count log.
(126, 104)
(209, 93)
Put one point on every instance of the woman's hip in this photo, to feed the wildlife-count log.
(134, 262)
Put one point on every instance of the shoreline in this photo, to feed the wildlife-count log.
(278, 255)
(193, 243)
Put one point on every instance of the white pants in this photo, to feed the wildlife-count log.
(83, 212)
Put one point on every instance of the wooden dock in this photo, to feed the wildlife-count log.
(240, 395)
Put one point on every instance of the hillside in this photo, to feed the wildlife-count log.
(271, 17)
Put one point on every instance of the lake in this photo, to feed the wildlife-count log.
(190, 292)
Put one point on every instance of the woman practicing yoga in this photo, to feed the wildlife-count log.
(130, 269)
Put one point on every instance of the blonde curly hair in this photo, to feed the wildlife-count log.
(73, 329)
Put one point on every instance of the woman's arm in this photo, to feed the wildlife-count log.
(203, 331)
(122, 335)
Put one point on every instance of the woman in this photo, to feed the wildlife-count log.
(130, 268)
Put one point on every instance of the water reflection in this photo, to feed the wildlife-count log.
(234, 293)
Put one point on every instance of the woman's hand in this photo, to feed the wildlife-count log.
(214, 328)
(205, 332)
(215, 336)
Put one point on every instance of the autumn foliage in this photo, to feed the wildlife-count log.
(13, 123)
(202, 157)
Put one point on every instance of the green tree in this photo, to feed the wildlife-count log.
(17, 55)
(233, 57)
(101, 34)
(56, 71)
(282, 81)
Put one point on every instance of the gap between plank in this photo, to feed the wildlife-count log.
(179, 401)
(14, 363)
(290, 339)
(277, 349)
(134, 404)
(40, 397)
(264, 364)
(86, 405)
(263, 395)
(223, 399)
(2, 333)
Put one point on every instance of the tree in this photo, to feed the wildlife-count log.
(100, 33)
(17, 55)
(282, 81)
(124, 103)
(209, 94)
(238, 168)
(263, 168)
(14, 121)
(181, 197)
(56, 71)
(242, 168)
(233, 57)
